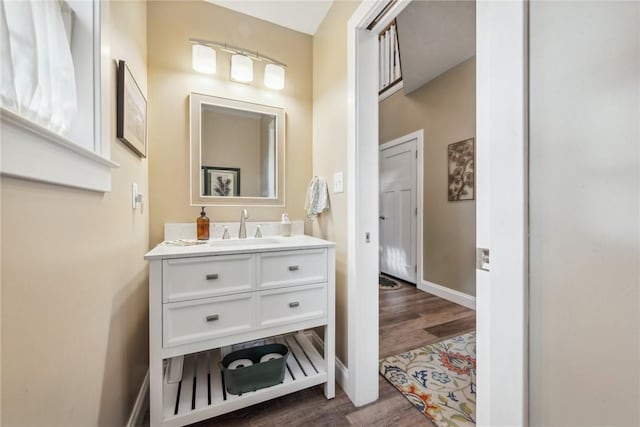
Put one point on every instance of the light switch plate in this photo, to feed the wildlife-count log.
(338, 182)
(134, 195)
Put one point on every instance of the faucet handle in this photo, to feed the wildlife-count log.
(245, 213)
(258, 232)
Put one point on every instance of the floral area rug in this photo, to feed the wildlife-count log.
(439, 379)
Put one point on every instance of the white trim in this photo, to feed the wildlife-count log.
(419, 137)
(449, 294)
(16, 120)
(32, 152)
(342, 373)
(35, 153)
(342, 377)
(136, 418)
(501, 220)
(362, 200)
(393, 89)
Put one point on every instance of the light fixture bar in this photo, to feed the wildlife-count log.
(255, 55)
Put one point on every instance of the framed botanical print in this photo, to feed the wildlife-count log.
(220, 181)
(461, 169)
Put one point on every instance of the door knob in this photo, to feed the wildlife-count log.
(382, 217)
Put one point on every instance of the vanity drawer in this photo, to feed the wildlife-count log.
(202, 277)
(290, 305)
(191, 321)
(280, 269)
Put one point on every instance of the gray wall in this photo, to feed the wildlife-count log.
(445, 109)
(584, 214)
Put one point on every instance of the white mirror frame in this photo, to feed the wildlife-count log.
(196, 101)
(32, 152)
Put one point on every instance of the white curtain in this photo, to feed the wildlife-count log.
(38, 79)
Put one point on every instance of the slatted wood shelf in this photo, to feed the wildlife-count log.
(200, 394)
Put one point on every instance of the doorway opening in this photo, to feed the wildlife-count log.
(427, 206)
(500, 73)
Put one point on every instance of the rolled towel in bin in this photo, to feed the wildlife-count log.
(240, 363)
(270, 356)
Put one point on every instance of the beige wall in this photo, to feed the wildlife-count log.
(330, 143)
(584, 214)
(234, 141)
(445, 109)
(171, 79)
(74, 282)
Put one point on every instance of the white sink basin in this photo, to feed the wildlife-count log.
(250, 241)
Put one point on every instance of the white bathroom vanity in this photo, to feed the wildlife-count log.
(207, 300)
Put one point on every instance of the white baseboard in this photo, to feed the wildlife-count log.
(342, 372)
(342, 377)
(140, 406)
(448, 294)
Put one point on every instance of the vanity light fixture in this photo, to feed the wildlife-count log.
(274, 76)
(203, 59)
(242, 61)
(241, 68)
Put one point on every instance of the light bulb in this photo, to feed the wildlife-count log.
(274, 76)
(203, 59)
(241, 68)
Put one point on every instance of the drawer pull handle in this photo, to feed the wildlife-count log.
(212, 276)
(294, 268)
(212, 318)
(294, 304)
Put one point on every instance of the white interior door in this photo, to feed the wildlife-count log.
(398, 209)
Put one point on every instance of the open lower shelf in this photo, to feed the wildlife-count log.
(200, 394)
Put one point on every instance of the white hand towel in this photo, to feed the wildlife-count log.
(317, 200)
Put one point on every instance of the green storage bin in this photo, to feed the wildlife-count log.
(256, 376)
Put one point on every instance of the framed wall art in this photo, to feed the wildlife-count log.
(461, 170)
(131, 125)
(220, 181)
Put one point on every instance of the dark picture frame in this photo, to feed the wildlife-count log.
(131, 123)
(461, 183)
(220, 181)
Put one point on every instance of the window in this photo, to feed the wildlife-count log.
(59, 133)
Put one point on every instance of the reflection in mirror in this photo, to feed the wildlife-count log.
(238, 153)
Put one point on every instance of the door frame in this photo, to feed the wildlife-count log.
(501, 141)
(419, 137)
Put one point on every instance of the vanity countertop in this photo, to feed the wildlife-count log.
(237, 246)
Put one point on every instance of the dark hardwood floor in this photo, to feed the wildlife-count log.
(409, 318)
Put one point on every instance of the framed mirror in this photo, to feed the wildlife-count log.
(237, 152)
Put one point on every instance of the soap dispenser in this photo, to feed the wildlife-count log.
(203, 226)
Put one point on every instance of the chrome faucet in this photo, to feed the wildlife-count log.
(242, 234)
